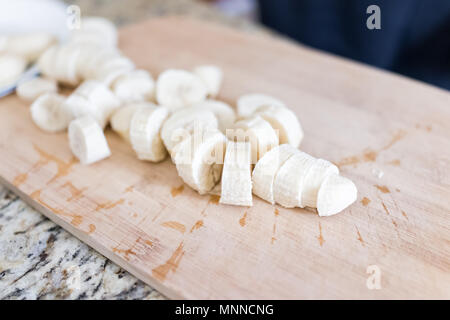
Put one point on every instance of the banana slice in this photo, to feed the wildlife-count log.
(249, 103)
(46, 62)
(121, 118)
(31, 89)
(258, 132)
(314, 179)
(335, 194)
(137, 85)
(109, 70)
(224, 113)
(48, 114)
(29, 46)
(178, 88)
(87, 140)
(266, 169)
(290, 179)
(199, 159)
(211, 77)
(183, 122)
(95, 99)
(236, 175)
(285, 121)
(12, 67)
(144, 133)
(95, 30)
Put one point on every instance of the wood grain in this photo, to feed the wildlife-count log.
(389, 134)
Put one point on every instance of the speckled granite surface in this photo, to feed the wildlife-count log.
(40, 260)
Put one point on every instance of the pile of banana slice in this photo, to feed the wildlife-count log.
(235, 152)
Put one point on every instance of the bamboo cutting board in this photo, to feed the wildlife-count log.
(390, 135)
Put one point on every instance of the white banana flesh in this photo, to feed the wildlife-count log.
(258, 132)
(87, 140)
(199, 159)
(314, 179)
(30, 90)
(145, 136)
(285, 121)
(95, 30)
(183, 122)
(12, 67)
(290, 179)
(250, 103)
(29, 46)
(121, 118)
(224, 113)
(335, 194)
(236, 175)
(135, 86)
(92, 98)
(48, 114)
(176, 89)
(211, 76)
(266, 168)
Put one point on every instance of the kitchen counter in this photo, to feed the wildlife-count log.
(40, 260)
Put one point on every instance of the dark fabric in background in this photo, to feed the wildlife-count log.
(414, 39)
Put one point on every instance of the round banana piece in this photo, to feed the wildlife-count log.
(134, 86)
(249, 103)
(285, 121)
(87, 140)
(94, 98)
(224, 113)
(12, 67)
(29, 46)
(335, 194)
(211, 76)
(109, 70)
(258, 132)
(236, 175)
(95, 30)
(48, 114)
(320, 170)
(145, 136)
(266, 168)
(183, 122)
(199, 159)
(121, 118)
(176, 89)
(30, 90)
(290, 180)
(46, 62)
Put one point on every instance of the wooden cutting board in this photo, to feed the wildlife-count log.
(389, 134)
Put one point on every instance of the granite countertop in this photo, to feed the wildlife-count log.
(40, 260)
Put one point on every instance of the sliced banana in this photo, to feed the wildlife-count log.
(95, 30)
(224, 113)
(30, 90)
(183, 122)
(145, 136)
(249, 103)
(335, 194)
(199, 159)
(179, 88)
(290, 179)
(285, 121)
(95, 99)
(48, 114)
(314, 179)
(266, 168)
(87, 140)
(121, 118)
(211, 77)
(236, 175)
(29, 46)
(109, 70)
(12, 67)
(134, 86)
(46, 62)
(258, 132)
